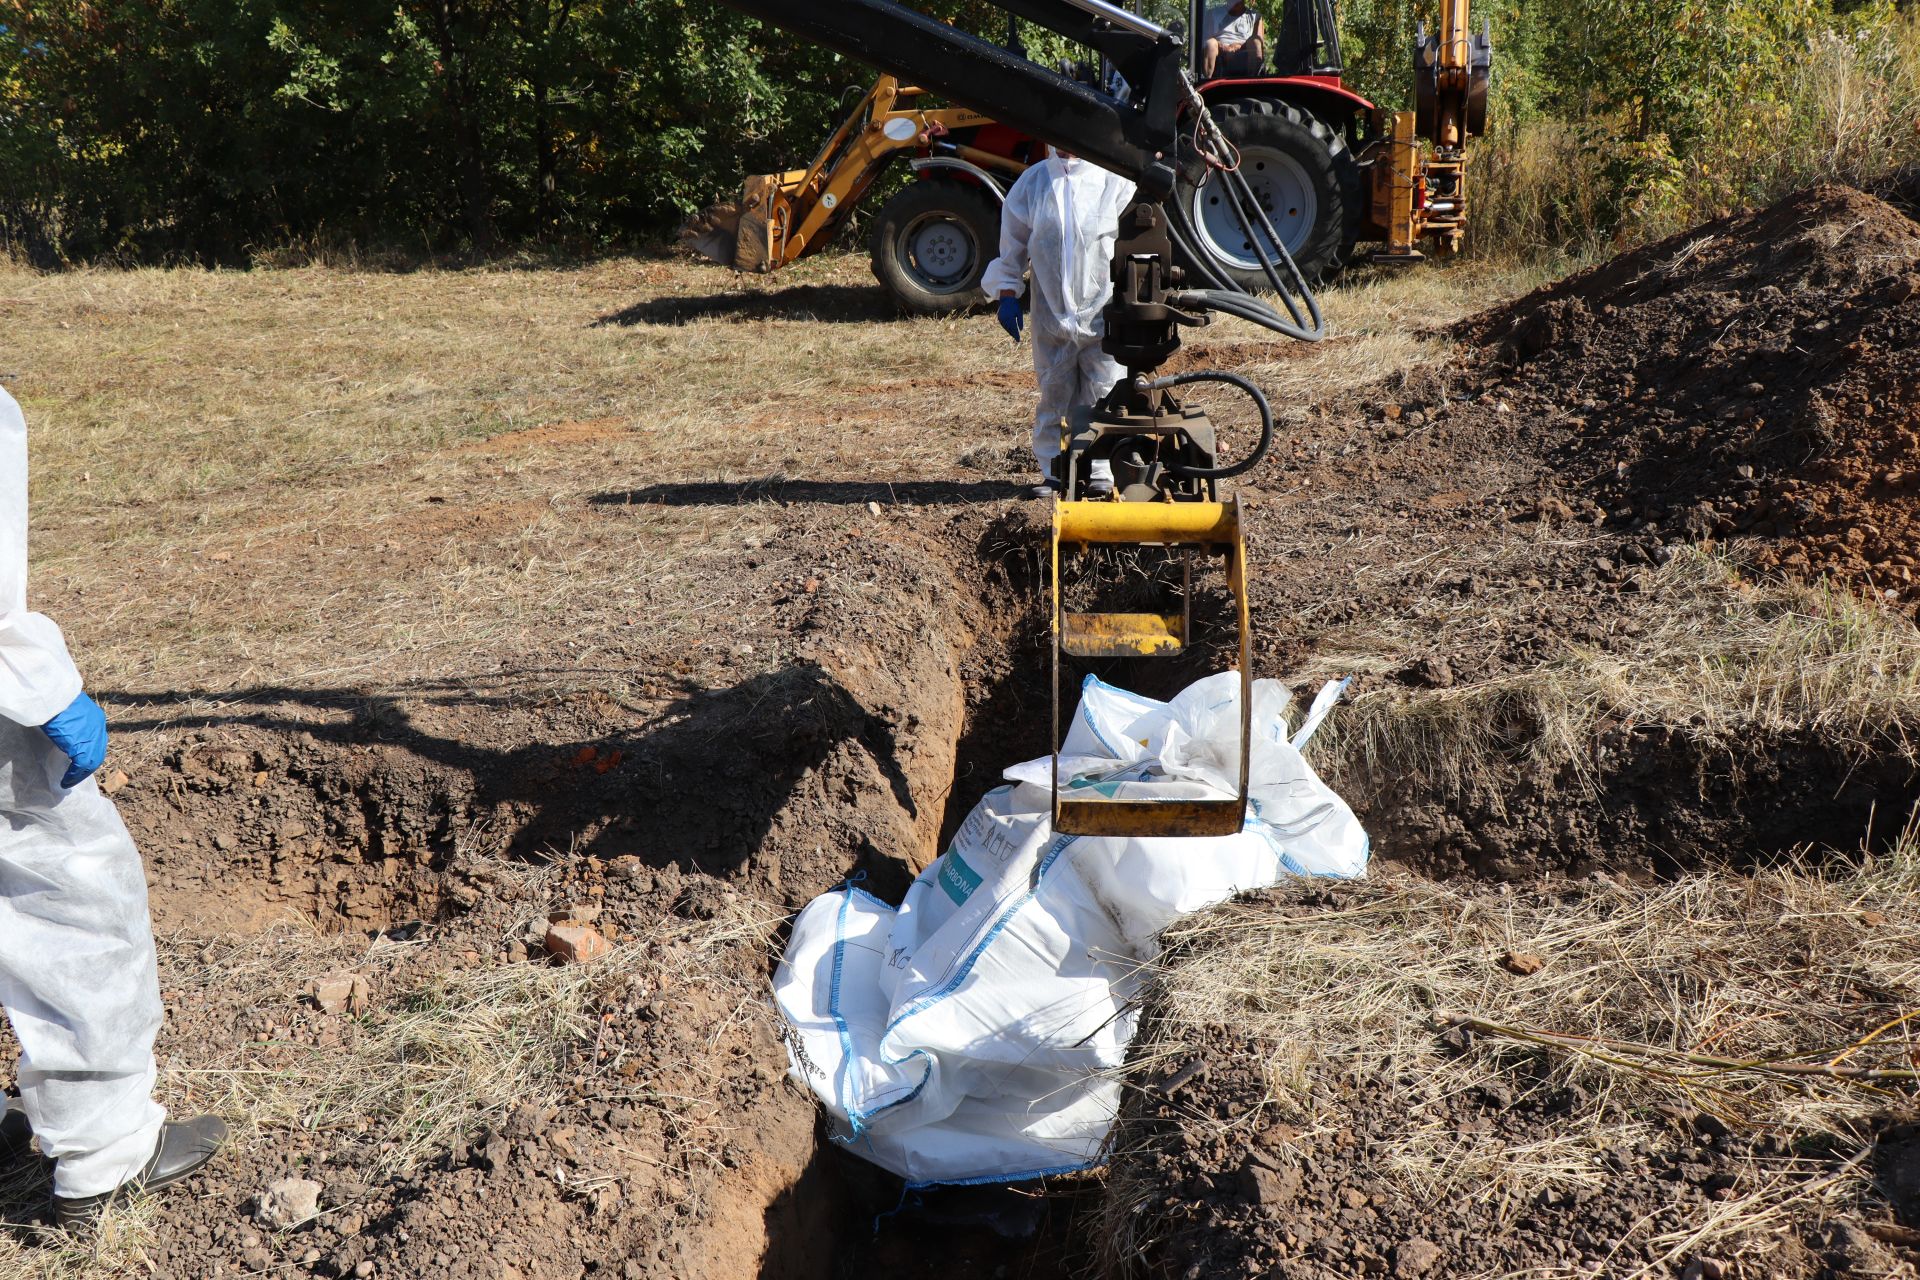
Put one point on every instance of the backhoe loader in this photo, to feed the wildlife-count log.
(1149, 123)
(929, 242)
(1329, 169)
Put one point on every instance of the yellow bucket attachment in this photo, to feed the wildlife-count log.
(1209, 528)
(754, 243)
(745, 234)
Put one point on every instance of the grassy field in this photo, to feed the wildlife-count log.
(254, 477)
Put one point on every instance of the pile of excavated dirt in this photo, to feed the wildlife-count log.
(1237, 1161)
(1751, 378)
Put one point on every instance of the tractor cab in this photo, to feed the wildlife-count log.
(1305, 42)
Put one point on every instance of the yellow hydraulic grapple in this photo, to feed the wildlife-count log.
(1190, 528)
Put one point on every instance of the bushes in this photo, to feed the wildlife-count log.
(215, 131)
(1745, 110)
(203, 129)
(1617, 120)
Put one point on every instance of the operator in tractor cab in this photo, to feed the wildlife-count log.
(1060, 219)
(1236, 42)
(77, 972)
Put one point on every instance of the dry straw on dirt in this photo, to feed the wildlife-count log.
(440, 1058)
(1771, 1000)
(1712, 653)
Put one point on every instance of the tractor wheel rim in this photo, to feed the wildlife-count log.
(1280, 183)
(940, 251)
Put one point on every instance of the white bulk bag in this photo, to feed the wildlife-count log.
(973, 1034)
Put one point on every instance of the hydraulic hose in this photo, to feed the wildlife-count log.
(1180, 229)
(1310, 327)
(1289, 284)
(1259, 402)
(1226, 294)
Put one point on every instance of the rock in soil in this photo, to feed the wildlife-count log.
(340, 993)
(288, 1203)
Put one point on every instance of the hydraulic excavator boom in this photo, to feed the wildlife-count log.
(1425, 196)
(1162, 454)
(1136, 138)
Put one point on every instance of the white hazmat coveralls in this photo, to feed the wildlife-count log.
(1061, 218)
(77, 974)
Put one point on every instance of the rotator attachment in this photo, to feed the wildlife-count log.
(1204, 528)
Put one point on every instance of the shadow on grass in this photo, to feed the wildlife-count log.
(701, 781)
(25, 1196)
(832, 303)
(850, 493)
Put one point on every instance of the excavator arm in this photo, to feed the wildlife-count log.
(1161, 455)
(1137, 139)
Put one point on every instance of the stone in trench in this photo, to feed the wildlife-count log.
(340, 993)
(1415, 1257)
(288, 1203)
(576, 943)
(1270, 1186)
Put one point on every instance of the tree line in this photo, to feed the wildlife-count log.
(221, 130)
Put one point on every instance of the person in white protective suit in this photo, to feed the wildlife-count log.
(77, 974)
(1059, 221)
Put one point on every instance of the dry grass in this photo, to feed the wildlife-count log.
(1839, 106)
(319, 476)
(1788, 966)
(1703, 650)
(471, 1045)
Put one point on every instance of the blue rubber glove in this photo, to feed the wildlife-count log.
(81, 732)
(1011, 317)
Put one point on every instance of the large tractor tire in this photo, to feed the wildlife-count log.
(931, 243)
(1304, 176)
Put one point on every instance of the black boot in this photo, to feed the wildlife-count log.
(16, 1135)
(184, 1148)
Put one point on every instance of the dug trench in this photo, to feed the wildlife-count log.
(469, 1106)
(425, 852)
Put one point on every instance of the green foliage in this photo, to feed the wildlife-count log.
(211, 128)
(1612, 120)
(218, 129)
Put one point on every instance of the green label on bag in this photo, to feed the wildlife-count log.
(957, 878)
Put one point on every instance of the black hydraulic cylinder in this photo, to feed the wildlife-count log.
(1136, 139)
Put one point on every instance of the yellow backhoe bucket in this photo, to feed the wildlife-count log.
(1207, 528)
(745, 234)
(760, 211)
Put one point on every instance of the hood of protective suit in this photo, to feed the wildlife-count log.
(1061, 219)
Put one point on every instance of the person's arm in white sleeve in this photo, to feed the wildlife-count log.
(1008, 272)
(37, 679)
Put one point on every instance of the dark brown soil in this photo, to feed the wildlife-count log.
(768, 766)
(778, 760)
(1319, 1200)
(1750, 383)
(1753, 377)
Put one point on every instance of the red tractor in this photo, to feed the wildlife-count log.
(1329, 168)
